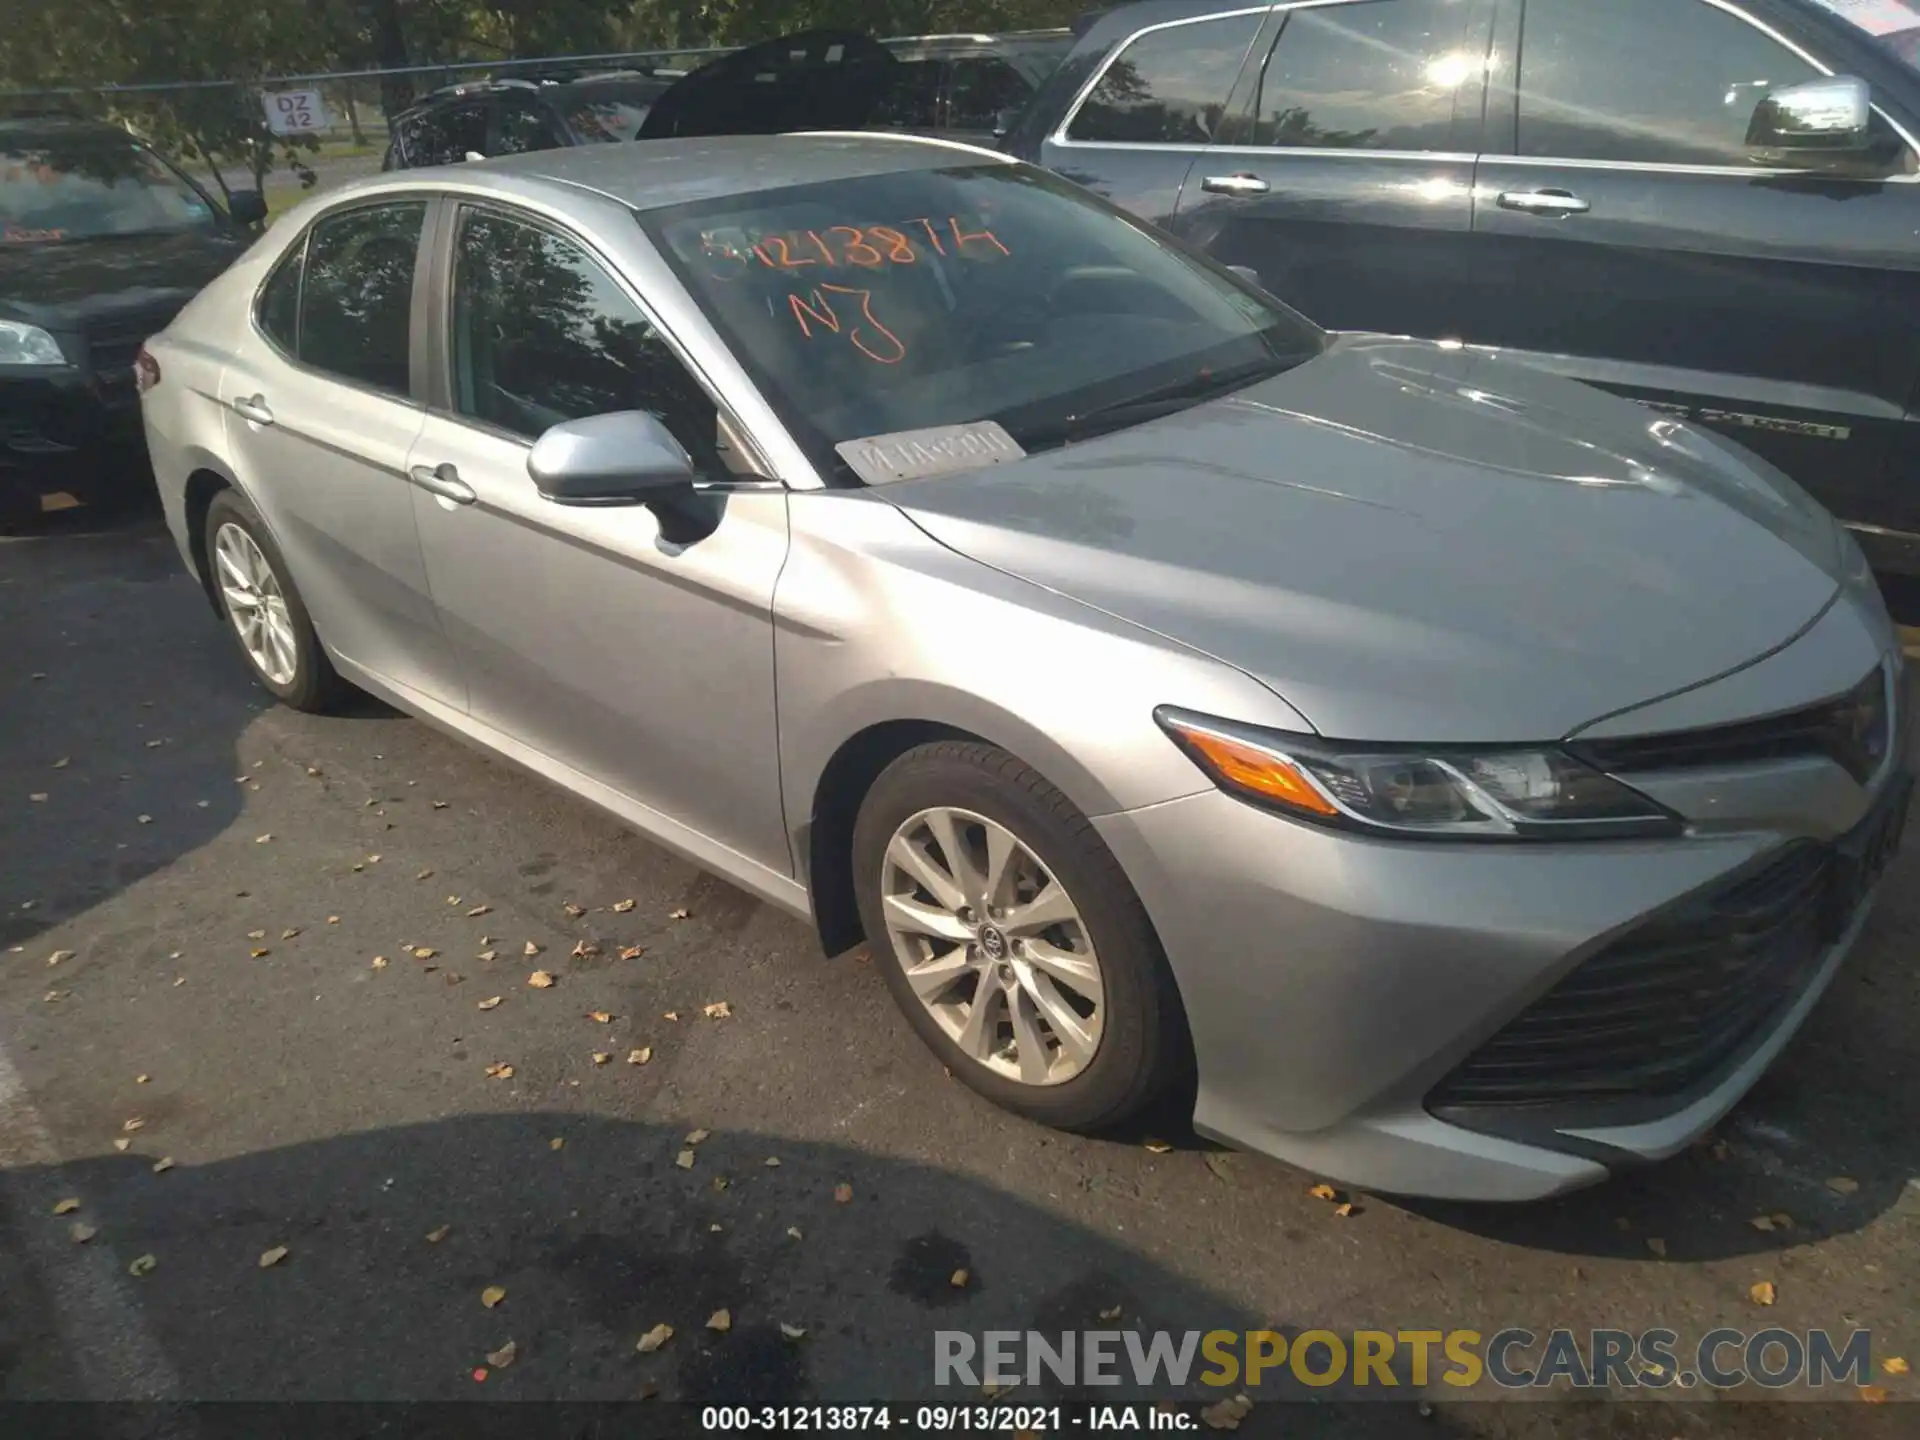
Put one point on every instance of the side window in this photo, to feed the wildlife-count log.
(357, 294)
(541, 334)
(1592, 87)
(1375, 76)
(522, 126)
(983, 86)
(912, 101)
(1168, 86)
(278, 309)
(443, 135)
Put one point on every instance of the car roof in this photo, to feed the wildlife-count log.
(651, 174)
(42, 129)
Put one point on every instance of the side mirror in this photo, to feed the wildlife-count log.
(1832, 117)
(626, 458)
(1246, 273)
(246, 207)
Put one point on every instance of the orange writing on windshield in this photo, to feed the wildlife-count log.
(866, 334)
(860, 247)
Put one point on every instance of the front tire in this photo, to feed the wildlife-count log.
(267, 616)
(1011, 939)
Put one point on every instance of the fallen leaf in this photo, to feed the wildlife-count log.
(584, 950)
(599, 1017)
(640, 1056)
(424, 874)
(61, 763)
(1761, 1293)
(66, 1207)
(684, 1159)
(503, 1357)
(1344, 1209)
(793, 1233)
(540, 980)
(1227, 1414)
(379, 962)
(574, 912)
(1158, 1147)
(262, 839)
(136, 1123)
(373, 859)
(256, 934)
(492, 1002)
(1324, 1192)
(958, 1280)
(424, 952)
(1782, 1220)
(333, 919)
(601, 1057)
(80, 1232)
(492, 1295)
(621, 907)
(791, 1332)
(488, 955)
(139, 819)
(654, 1339)
(719, 1010)
(1762, 1223)
(696, 1136)
(842, 1194)
(557, 1143)
(163, 1164)
(122, 1143)
(1657, 1246)
(155, 744)
(531, 949)
(631, 952)
(289, 933)
(271, 1258)
(670, 1015)
(1874, 1394)
(260, 952)
(439, 804)
(720, 1321)
(477, 911)
(453, 899)
(142, 1265)
(772, 1162)
(438, 1233)
(39, 797)
(499, 1070)
(721, 1182)
(676, 914)
(1843, 1185)
(59, 955)
(142, 1079)
(1113, 1314)
(1894, 1365)
(53, 995)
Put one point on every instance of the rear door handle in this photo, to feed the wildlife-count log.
(443, 480)
(1544, 202)
(254, 408)
(1234, 185)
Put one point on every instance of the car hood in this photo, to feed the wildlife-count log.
(71, 284)
(1409, 542)
(809, 80)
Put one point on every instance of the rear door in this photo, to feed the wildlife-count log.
(1343, 173)
(1626, 236)
(1147, 114)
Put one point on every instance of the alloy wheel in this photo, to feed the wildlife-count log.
(993, 946)
(256, 604)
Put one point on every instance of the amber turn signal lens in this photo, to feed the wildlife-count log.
(1259, 772)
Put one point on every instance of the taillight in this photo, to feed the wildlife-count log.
(146, 371)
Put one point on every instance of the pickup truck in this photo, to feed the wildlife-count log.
(1710, 206)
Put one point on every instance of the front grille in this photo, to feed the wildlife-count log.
(1853, 730)
(1665, 1007)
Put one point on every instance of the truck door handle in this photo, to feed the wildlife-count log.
(1544, 202)
(1242, 184)
(254, 408)
(443, 480)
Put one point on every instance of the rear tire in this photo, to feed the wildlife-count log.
(1082, 1025)
(264, 610)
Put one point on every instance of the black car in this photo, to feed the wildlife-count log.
(101, 242)
(511, 116)
(963, 87)
(1711, 206)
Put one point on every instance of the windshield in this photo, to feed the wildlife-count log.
(942, 298)
(1895, 23)
(55, 188)
(612, 112)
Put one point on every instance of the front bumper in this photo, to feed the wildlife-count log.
(69, 430)
(1333, 982)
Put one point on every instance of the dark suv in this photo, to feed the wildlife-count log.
(1707, 205)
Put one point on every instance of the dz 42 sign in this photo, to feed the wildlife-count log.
(295, 112)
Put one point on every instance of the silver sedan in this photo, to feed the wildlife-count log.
(1464, 780)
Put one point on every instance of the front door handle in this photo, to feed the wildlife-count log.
(254, 408)
(1544, 202)
(1242, 184)
(443, 480)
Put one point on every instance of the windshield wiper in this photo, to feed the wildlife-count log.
(1161, 400)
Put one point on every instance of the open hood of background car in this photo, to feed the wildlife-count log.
(810, 80)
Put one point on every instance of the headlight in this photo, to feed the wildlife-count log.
(22, 344)
(1460, 792)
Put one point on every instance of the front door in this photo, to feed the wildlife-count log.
(1624, 235)
(1343, 174)
(320, 420)
(1153, 110)
(641, 665)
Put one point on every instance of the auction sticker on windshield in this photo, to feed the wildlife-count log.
(938, 450)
